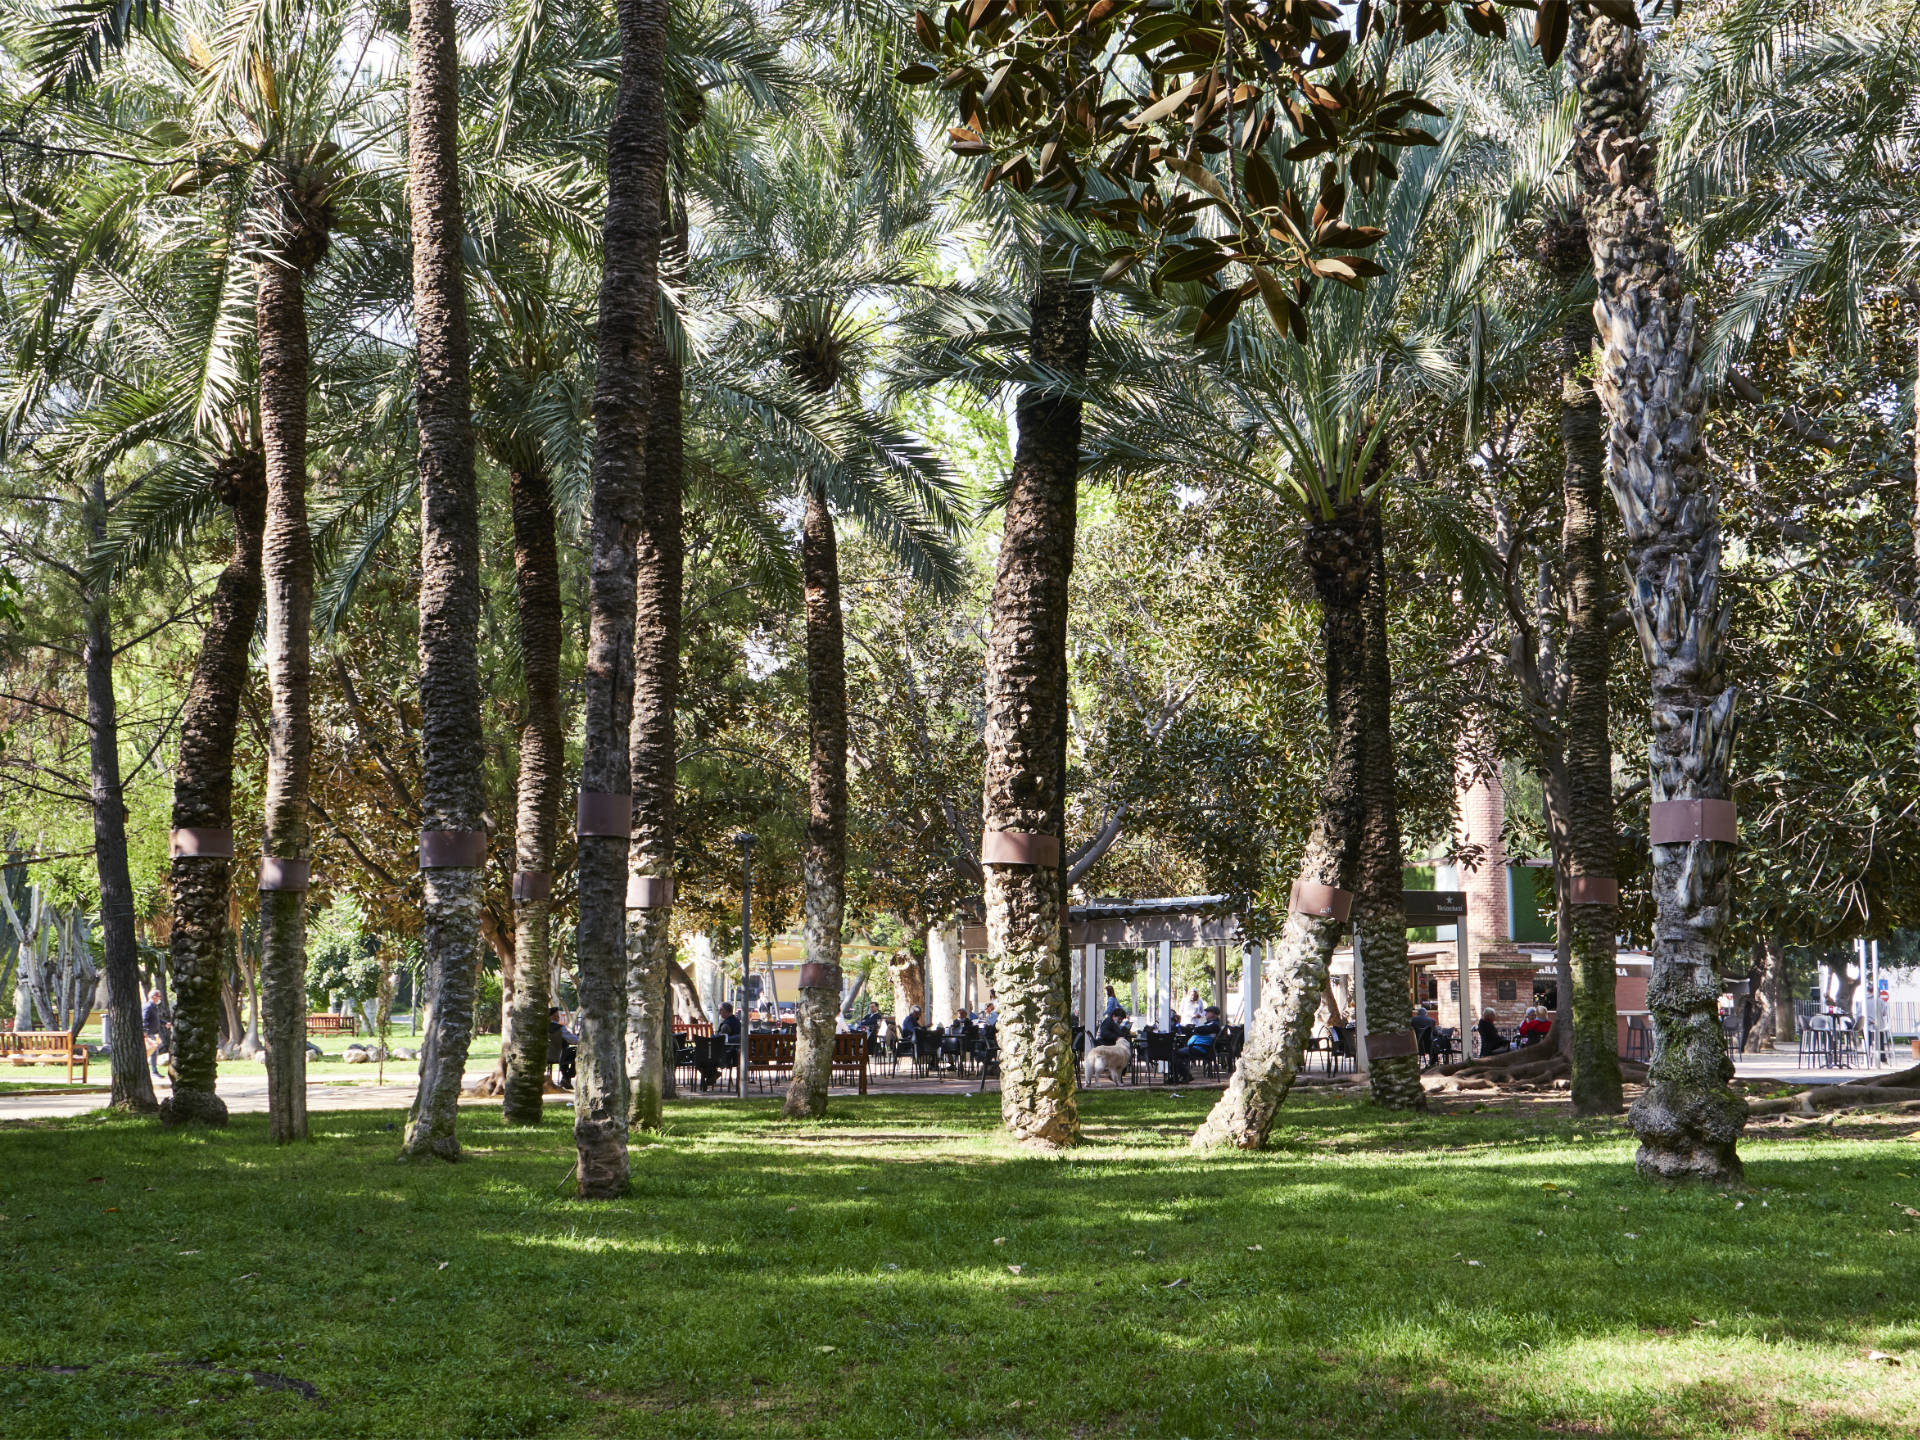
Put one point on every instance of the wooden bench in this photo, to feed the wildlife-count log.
(45, 1047)
(850, 1057)
(333, 1025)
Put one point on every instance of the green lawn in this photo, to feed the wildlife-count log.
(902, 1271)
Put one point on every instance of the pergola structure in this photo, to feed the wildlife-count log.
(1198, 922)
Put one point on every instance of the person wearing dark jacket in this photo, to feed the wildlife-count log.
(1492, 1042)
(156, 1021)
(562, 1046)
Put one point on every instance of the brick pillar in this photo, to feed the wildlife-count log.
(1482, 809)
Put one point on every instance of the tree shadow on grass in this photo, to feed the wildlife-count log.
(775, 1279)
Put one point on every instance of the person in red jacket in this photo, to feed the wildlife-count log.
(1534, 1028)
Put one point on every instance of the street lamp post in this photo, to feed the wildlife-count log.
(745, 842)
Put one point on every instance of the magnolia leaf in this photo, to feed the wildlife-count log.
(1550, 29)
(1160, 109)
(1275, 296)
(1197, 176)
(916, 74)
(1122, 263)
(1263, 187)
(924, 31)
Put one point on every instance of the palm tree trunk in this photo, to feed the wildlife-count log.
(452, 799)
(1024, 810)
(825, 864)
(1379, 915)
(1336, 555)
(654, 751)
(286, 560)
(543, 754)
(1687, 1118)
(1587, 868)
(132, 1086)
(203, 800)
(629, 288)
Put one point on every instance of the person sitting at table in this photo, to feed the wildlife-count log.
(910, 1027)
(1198, 1047)
(870, 1022)
(991, 1018)
(1492, 1042)
(1423, 1031)
(1534, 1028)
(1113, 1028)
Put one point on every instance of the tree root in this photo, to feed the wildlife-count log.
(1836, 1097)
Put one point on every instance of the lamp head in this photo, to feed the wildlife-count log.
(744, 839)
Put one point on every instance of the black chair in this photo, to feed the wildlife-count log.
(926, 1051)
(1160, 1047)
(1445, 1043)
(989, 1055)
(1340, 1047)
(1639, 1039)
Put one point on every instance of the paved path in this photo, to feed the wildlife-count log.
(247, 1095)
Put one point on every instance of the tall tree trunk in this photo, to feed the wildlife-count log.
(629, 290)
(1026, 693)
(1379, 915)
(132, 1086)
(654, 749)
(203, 799)
(825, 863)
(543, 754)
(452, 795)
(286, 558)
(1687, 1118)
(1587, 871)
(1290, 995)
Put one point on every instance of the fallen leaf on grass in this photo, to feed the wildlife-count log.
(443, 1265)
(1699, 1324)
(825, 1349)
(999, 1239)
(1883, 1357)
(1633, 1235)
(189, 1252)
(1253, 1247)
(250, 1275)
(1013, 1269)
(1171, 1284)
(1476, 1264)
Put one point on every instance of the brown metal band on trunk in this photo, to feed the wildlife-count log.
(649, 892)
(532, 885)
(1393, 1043)
(1592, 890)
(814, 976)
(1019, 847)
(608, 815)
(453, 849)
(278, 874)
(1312, 898)
(206, 844)
(1680, 822)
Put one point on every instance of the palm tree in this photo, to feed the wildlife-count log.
(451, 799)
(815, 253)
(629, 296)
(203, 801)
(1649, 382)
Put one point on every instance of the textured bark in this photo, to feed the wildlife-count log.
(1687, 1118)
(120, 954)
(543, 754)
(629, 291)
(1782, 1028)
(1587, 840)
(203, 799)
(654, 751)
(1379, 916)
(451, 795)
(1026, 692)
(825, 862)
(1292, 987)
(286, 559)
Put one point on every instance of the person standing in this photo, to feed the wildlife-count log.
(156, 1025)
